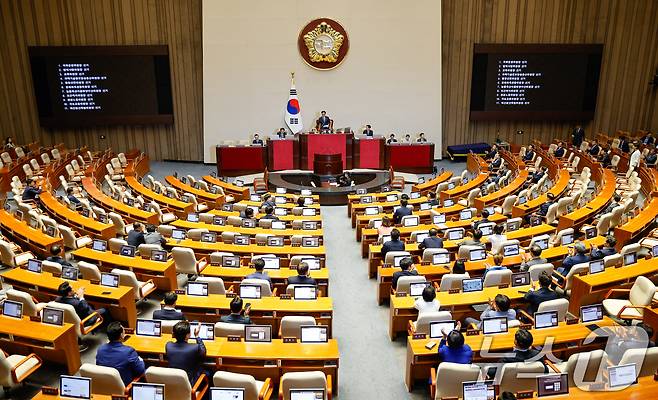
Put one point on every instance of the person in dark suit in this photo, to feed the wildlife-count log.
(31, 192)
(302, 277)
(136, 236)
(169, 311)
(257, 140)
(578, 135)
(431, 242)
(452, 348)
(492, 153)
(72, 199)
(268, 201)
(391, 139)
(237, 315)
(55, 252)
(186, 356)
(534, 258)
(651, 157)
(648, 139)
(523, 351)
(117, 355)
(259, 266)
(402, 211)
(530, 154)
(484, 219)
(269, 214)
(496, 162)
(616, 198)
(605, 156)
(407, 269)
(624, 145)
(607, 250)
(395, 244)
(543, 209)
(431, 198)
(595, 149)
(538, 174)
(535, 296)
(421, 138)
(282, 133)
(559, 150)
(368, 131)
(77, 300)
(323, 123)
(577, 256)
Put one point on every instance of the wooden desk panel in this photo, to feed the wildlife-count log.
(183, 224)
(499, 196)
(637, 225)
(581, 215)
(131, 214)
(70, 218)
(238, 192)
(176, 206)
(26, 236)
(204, 248)
(203, 197)
(560, 186)
(463, 190)
(430, 186)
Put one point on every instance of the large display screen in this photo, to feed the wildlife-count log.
(102, 85)
(535, 81)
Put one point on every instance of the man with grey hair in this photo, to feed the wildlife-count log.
(577, 255)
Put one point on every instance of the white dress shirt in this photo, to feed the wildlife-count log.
(635, 159)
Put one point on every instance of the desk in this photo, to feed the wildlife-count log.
(462, 190)
(66, 216)
(262, 360)
(162, 273)
(499, 196)
(27, 237)
(638, 224)
(430, 186)
(336, 143)
(369, 152)
(131, 214)
(411, 157)
(120, 301)
(282, 154)
(183, 224)
(204, 248)
(560, 186)
(420, 360)
(181, 209)
(581, 215)
(58, 344)
(203, 197)
(240, 160)
(238, 192)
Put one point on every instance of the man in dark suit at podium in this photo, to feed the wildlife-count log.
(578, 136)
(368, 131)
(257, 140)
(324, 123)
(281, 133)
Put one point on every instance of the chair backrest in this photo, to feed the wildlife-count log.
(499, 248)
(104, 380)
(6, 379)
(425, 318)
(559, 305)
(497, 277)
(195, 233)
(472, 195)
(558, 236)
(404, 282)
(119, 224)
(89, 271)
(617, 213)
(45, 158)
(145, 250)
(290, 324)
(177, 385)
(128, 278)
(452, 281)
(6, 158)
(225, 329)
(586, 367)
(51, 266)
(428, 254)
(216, 256)
(642, 292)
(452, 376)
(603, 225)
(225, 379)
(303, 380)
(575, 270)
(70, 316)
(215, 284)
(29, 306)
(166, 230)
(646, 360)
(115, 244)
(35, 165)
(265, 290)
(27, 170)
(537, 269)
(20, 153)
(521, 376)
(508, 203)
(612, 260)
(630, 248)
(7, 254)
(464, 250)
(185, 260)
(390, 256)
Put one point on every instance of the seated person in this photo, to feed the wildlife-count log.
(529, 154)
(407, 138)
(483, 220)
(117, 355)
(431, 242)
(607, 250)
(184, 355)
(616, 198)
(476, 239)
(428, 301)
(303, 276)
(534, 258)
(77, 300)
(407, 269)
(169, 311)
(497, 238)
(651, 157)
(368, 131)
(281, 133)
(267, 201)
(257, 140)
(136, 236)
(391, 139)
(344, 179)
(71, 197)
(300, 202)
(459, 267)
(523, 351)
(595, 149)
(499, 307)
(605, 156)
(452, 348)
(323, 124)
(55, 252)
(152, 236)
(498, 265)
(421, 138)
(237, 315)
(538, 174)
(247, 213)
(577, 255)
(31, 192)
(496, 161)
(431, 198)
(269, 214)
(259, 265)
(543, 209)
(492, 153)
(395, 244)
(559, 150)
(648, 138)
(385, 228)
(536, 296)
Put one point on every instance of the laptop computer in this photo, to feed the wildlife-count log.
(439, 328)
(520, 279)
(75, 387)
(546, 319)
(465, 214)
(12, 309)
(34, 265)
(479, 390)
(147, 391)
(99, 245)
(109, 280)
(197, 289)
(304, 292)
(159, 255)
(566, 239)
(552, 385)
(127, 250)
(471, 285)
(52, 316)
(415, 221)
(193, 217)
(275, 241)
(494, 325)
(456, 234)
(439, 219)
(477, 254)
(596, 266)
(313, 334)
(217, 393)
(511, 250)
(441, 258)
(258, 333)
(279, 225)
(591, 313)
(148, 327)
(250, 291)
(622, 375)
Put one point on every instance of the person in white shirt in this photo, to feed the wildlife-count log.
(428, 302)
(635, 158)
(497, 238)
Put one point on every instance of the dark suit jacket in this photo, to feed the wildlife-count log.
(496, 163)
(259, 141)
(59, 260)
(122, 358)
(368, 132)
(398, 274)
(135, 238)
(82, 308)
(168, 315)
(623, 145)
(324, 122)
(604, 251)
(543, 209)
(537, 176)
(648, 140)
(595, 150)
(236, 319)
(559, 152)
(431, 243)
(401, 212)
(528, 156)
(301, 280)
(578, 136)
(389, 141)
(392, 245)
(282, 135)
(73, 199)
(30, 193)
(536, 297)
(188, 357)
(521, 355)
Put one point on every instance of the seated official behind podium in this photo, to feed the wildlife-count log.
(421, 138)
(536, 296)
(401, 211)
(282, 133)
(117, 355)
(431, 242)
(259, 265)
(302, 277)
(257, 140)
(395, 244)
(407, 138)
(368, 131)
(391, 139)
(407, 269)
(186, 356)
(169, 311)
(323, 124)
(77, 300)
(237, 315)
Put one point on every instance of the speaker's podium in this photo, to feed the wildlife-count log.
(311, 145)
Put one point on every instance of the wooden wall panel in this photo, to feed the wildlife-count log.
(104, 22)
(627, 28)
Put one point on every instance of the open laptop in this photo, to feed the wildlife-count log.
(312, 262)
(272, 262)
(416, 288)
(622, 375)
(479, 390)
(546, 319)
(127, 250)
(217, 393)
(477, 255)
(178, 234)
(596, 266)
(412, 221)
(314, 334)
(304, 292)
(206, 330)
(448, 203)
(439, 328)
(520, 279)
(397, 259)
(591, 313)
(566, 239)
(99, 245)
(471, 285)
(109, 280)
(310, 242)
(250, 291)
(231, 261)
(74, 387)
(258, 333)
(34, 265)
(441, 258)
(552, 385)
(465, 214)
(159, 255)
(306, 394)
(456, 234)
(630, 258)
(218, 220)
(197, 288)
(511, 250)
(372, 210)
(365, 199)
(148, 327)
(148, 391)
(280, 225)
(52, 316)
(494, 325)
(70, 273)
(12, 309)
(192, 217)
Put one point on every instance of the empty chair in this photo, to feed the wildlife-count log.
(497, 277)
(464, 250)
(557, 239)
(228, 237)
(562, 205)
(115, 244)
(176, 383)
(472, 195)
(122, 160)
(612, 260)
(71, 241)
(30, 306)
(166, 230)
(119, 224)
(559, 305)
(265, 290)
(196, 233)
(253, 389)
(225, 329)
(422, 324)
(234, 220)
(452, 377)
(499, 248)
(45, 158)
(291, 324)
(594, 361)
(630, 248)
(36, 168)
(603, 224)
(206, 218)
(52, 267)
(141, 289)
(645, 360)
(304, 380)
(216, 257)
(27, 171)
(198, 207)
(164, 218)
(564, 289)
(537, 269)
(6, 158)
(82, 327)
(452, 281)
(104, 380)
(520, 376)
(186, 262)
(10, 258)
(215, 284)
(15, 368)
(89, 271)
(639, 296)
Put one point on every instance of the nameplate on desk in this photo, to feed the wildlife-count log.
(400, 294)
(472, 332)
(525, 326)
(95, 281)
(289, 340)
(35, 318)
(449, 398)
(232, 338)
(425, 263)
(387, 265)
(418, 336)
(215, 264)
(57, 274)
(572, 321)
(50, 390)
(583, 273)
(503, 286)
(296, 245)
(230, 295)
(129, 331)
(179, 291)
(119, 397)
(453, 291)
(285, 296)
(526, 394)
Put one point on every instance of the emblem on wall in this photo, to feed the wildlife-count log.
(323, 43)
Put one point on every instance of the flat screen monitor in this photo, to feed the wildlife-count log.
(272, 262)
(422, 236)
(491, 210)
(366, 199)
(280, 212)
(279, 225)
(109, 280)
(630, 258)
(438, 219)
(567, 239)
(304, 292)
(308, 212)
(425, 206)
(314, 334)
(590, 233)
(591, 313)
(479, 390)
(12, 308)
(74, 387)
(397, 259)
(99, 245)
(242, 240)
(441, 258)
(456, 234)
(249, 223)
(308, 201)
(148, 327)
(192, 217)
(386, 238)
(485, 229)
(361, 191)
(513, 226)
(34, 265)
(218, 220)
(217, 393)
(448, 202)
(451, 185)
(197, 288)
(250, 291)
(209, 237)
(535, 220)
(231, 261)
(309, 225)
(159, 255)
(148, 391)
(412, 221)
(416, 288)
(596, 266)
(306, 192)
(70, 273)
(281, 190)
(440, 328)
(494, 325)
(523, 200)
(276, 241)
(52, 316)
(127, 250)
(372, 210)
(306, 394)
(542, 243)
(546, 319)
(391, 197)
(312, 262)
(520, 279)
(310, 242)
(511, 250)
(414, 195)
(51, 231)
(622, 375)
(552, 385)
(258, 333)
(238, 182)
(471, 285)
(178, 234)
(477, 254)
(654, 251)
(206, 330)
(227, 207)
(254, 197)
(465, 214)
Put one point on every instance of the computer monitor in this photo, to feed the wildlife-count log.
(258, 333)
(304, 292)
(567, 238)
(414, 195)
(366, 199)
(372, 210)
(70, 273)
(178, 234)
(542, 243)
(127, 250)
(591, 313)
(12, 308)
(630, 258)
(398, 259)
(34, 265)
(465, 214)
(535, 220)
(513, 226)
(596, 266)
(520, 279)
(102, 218)
(386, 238)
(99, 245)
(74, 387)
(51, 231)
(422, 236)
(421, 179)
(231, 261)
(280, 200)
(438, 219)
(18, 214)
(159, 255)
(309, 225)
(590, 232)
(511, 250)
(425, 206)
(491, 210)
(218, 220)
(552, 385)
(439, 328)
(413, 221)
(361, 191)
(308, 212)
(192, 217)
(416, 288)
(523, 200)
(281, 190)
(280, 212)
(148, 327)
(314, 334)
(250, 291)
(471, 285)
(226, 393)
(622, 375)
(206, 330)
(148, 391)
(254, 197)
(477, 254)
(654, 251)
(280, 225)
(451, 185)
(242, 240)
(52, 316)
(197, 288)
(271, 262)
(306, 394)
(486, 229)
(312, 262)
(494, 325)
(456, 234)
(440, 258)
(448, 203)
(479, 390)
(308, 201)
(310, 242)
(546, 319)
(110, 280)
(248, 223)
(275, 241)
(209, 237)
